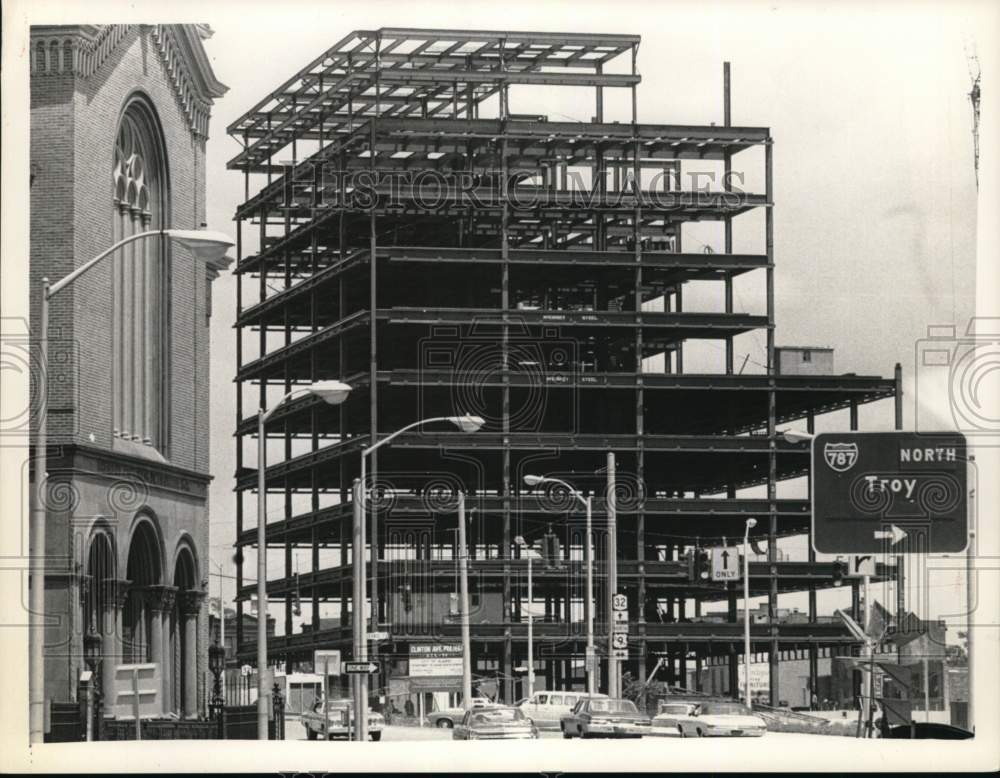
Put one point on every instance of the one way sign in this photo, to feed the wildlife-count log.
(725, 564)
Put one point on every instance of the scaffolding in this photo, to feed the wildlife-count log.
(443, 255)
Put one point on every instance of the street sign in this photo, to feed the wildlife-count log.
(860, 565)
(619, 641)
(245, 670)
(873, 490)
(619, 602)
(363, 667)
(378, 636)
(620, 653)
(725, 564)
(326, 661)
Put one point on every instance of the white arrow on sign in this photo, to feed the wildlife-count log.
(894, 533)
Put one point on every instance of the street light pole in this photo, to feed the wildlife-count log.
(465, 424)
(203, 244)
(750, 523)
(519, 540)
(359, 682)
(334, 393)
(537, 480)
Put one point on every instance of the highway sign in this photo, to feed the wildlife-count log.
(725, 564)
(620, 653)
(873, 490)
(619, 602)
(245, 670)
(326, 661)
(619, 641)
(363, 667)
(860, 565)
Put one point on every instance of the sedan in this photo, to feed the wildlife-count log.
(499, 722)
(604, 717)
(709, 719)
(336, 719)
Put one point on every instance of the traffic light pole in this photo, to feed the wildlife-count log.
(531, 636)
(591, 655)
(614, 667)
(463, 569)
(359, 682)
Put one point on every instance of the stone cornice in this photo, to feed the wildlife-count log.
(81, 50)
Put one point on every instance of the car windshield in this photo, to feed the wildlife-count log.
(681, 710)
(724, 709)
(498, 716)
(613, 706)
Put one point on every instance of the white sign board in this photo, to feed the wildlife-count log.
(619, 640)
(620, 653)
(725, 564)
(860, 565)
(760, 678)
(435, 660)
(245, 670)
(326, 661)
(619, 602)
(144, 678)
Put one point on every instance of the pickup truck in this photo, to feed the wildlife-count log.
(339, 722)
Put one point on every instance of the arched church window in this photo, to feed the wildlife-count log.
(139, 179)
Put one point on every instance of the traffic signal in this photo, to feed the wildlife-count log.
(407, 598)
(551, 549)
(297, 599)
(839, 571)
(699, 564)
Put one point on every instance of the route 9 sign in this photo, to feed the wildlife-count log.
(874, 492)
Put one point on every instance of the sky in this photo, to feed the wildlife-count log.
(874, 187)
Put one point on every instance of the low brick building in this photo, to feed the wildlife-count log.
(119, 121)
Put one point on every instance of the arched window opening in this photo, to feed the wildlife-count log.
(139, 281)
(143, 572)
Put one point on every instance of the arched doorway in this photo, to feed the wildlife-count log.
(145, 578)
(184, 634)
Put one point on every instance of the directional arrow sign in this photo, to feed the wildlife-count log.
(360, 668)
(874, 492)
(725, 564)
(894, 534)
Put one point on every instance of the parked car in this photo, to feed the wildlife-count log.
(339, 722)
(668, 718)
(546, 709)
(496, 722)
(449, 717)
(707, 719)
(929, 730)
(604, 717)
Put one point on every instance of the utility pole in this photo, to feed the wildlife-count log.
(463, 571)
(359, 682)
(614, 667)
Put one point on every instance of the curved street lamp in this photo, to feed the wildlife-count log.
(464, 423)
(538, 480)
(332, 393)
(204, 245)
(750, 524)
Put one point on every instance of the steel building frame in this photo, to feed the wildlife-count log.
(424, 244)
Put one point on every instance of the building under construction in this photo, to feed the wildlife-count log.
(410, 229)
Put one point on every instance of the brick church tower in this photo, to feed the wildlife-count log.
(119, 122)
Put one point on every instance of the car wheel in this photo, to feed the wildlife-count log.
(444, 724)
(310, 733)
(376, 736)
(565, 732)
(700, 733)
(680, 731)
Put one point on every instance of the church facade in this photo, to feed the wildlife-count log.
(119, 123)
